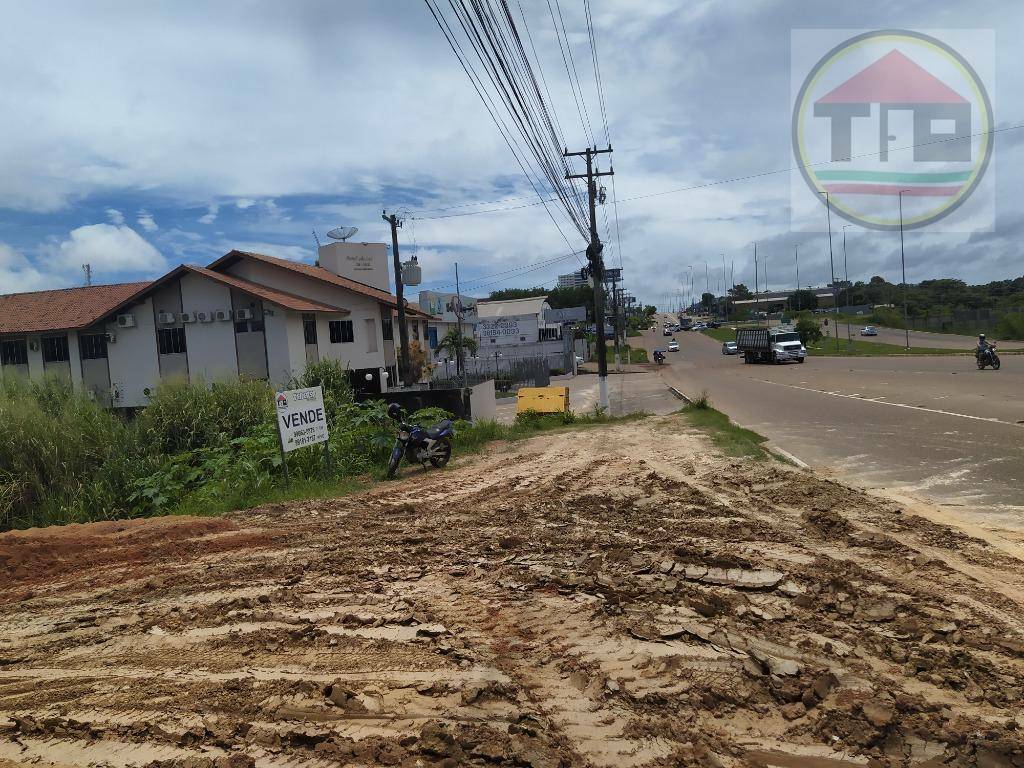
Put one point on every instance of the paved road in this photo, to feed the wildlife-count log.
(918, 338)
(934, 426)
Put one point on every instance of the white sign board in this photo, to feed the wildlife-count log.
(301, 420)
(514, 329)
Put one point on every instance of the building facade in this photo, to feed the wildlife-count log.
(246, 314)
(573, 280)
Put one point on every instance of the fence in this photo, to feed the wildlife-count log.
(967, 322)
(508, 373)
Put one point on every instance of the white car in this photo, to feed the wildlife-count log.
(673, 346)
(869, 330)
(730, 348)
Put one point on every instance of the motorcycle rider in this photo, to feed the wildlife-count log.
(983, 346)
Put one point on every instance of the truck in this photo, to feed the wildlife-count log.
(685, 323)
(770, 345)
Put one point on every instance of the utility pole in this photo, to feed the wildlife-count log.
(404, 369)
(796, 255)
(460, 363)
(903, 261)
(846, 279)
(832, 267)
(756, 304)
(594, 251)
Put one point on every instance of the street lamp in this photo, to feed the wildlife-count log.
(796, 255)
(846, 271)
(831, 262)
(903, 262)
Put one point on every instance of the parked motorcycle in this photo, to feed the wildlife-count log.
(988, 357)
(433, 444)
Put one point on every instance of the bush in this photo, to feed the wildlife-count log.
(1011, 326)
(887, 316)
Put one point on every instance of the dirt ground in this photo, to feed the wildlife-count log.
(617, 596)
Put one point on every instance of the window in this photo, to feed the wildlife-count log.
(93, 346)
(341, 331)
(309, 329)
(55, 349)
(241, 326)
(171, 341)
(387, 328)
(14, 352)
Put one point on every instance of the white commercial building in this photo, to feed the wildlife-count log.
(573, 280)
(441, 307)
(246, 314)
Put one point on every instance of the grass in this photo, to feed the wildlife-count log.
(730, 438)
(860, 347)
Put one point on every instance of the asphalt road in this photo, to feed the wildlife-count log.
(918, 339)
(933, 426)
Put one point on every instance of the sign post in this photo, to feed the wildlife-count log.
(301, 421)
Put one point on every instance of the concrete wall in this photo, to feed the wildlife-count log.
(286, 351)
(132, 357)
(366, 263)
(482, 405)
(211, 346)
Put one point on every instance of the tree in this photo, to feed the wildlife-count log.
(707, 300)
(449, 343)
(808, 328)
(740, 292)
(803, 299)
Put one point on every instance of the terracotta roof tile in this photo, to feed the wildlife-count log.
(318, 273)
(62, 309)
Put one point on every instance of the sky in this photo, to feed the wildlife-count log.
(137, 136)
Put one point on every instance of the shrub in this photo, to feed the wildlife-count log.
(808, 328)
(1011, 326)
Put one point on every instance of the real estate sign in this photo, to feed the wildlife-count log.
(301, 420)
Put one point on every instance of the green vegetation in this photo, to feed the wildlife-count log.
(730, 438)
(197, 450)
(720, 334)
(809, 329)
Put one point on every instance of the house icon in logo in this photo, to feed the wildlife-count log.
(282, 402)
(897, 84)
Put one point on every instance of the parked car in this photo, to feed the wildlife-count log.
(673, 346)
(714, 324)
(869, 330)
(730, 348)
(698, 327)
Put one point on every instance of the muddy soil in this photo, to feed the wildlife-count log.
(620, 596)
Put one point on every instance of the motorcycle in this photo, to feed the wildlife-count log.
(659, 356)
(433, 444)
(988, 357)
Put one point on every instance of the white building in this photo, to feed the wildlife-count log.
(441, 308)
(246, 314)
(573, 280)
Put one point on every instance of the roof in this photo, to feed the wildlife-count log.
(534, 305)
(893, 79)
(62, 309)
(317, 273)
(274, 296)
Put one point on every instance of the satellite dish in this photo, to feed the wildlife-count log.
(342, 233)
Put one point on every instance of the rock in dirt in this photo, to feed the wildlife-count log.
(793, 711)
(878, 712)
(878, 610)
(741, 578)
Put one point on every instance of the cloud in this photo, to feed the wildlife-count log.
(211, 214)
(18, 275)
(109, 249)
(244, 202)
(146, 221)
(115, 216)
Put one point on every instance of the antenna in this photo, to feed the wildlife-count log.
(342, 233)
(87, 268)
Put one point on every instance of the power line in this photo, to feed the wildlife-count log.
(518, 269)
(758, 175)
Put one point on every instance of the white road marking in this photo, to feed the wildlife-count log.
(897, 405)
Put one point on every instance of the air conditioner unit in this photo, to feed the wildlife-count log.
(167, 318)
(111, 338)
(222, 314)
(188, 317)
(126, 321)
(204, 317)
(243, 314)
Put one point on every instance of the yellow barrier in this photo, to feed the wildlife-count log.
(543, 399)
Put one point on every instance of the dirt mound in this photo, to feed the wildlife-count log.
(645, 602)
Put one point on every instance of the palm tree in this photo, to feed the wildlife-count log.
(451, 341)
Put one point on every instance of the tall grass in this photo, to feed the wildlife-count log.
(196, 449)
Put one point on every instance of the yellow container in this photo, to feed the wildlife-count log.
(543, 399)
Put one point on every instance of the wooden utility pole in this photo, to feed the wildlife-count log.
(596, 263)
(404, 369)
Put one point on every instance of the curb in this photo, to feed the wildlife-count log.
(679, 395)
(787, 456)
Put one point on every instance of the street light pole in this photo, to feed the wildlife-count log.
(846, 278)
(832, 267)
(796, 255)
(903, 262)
